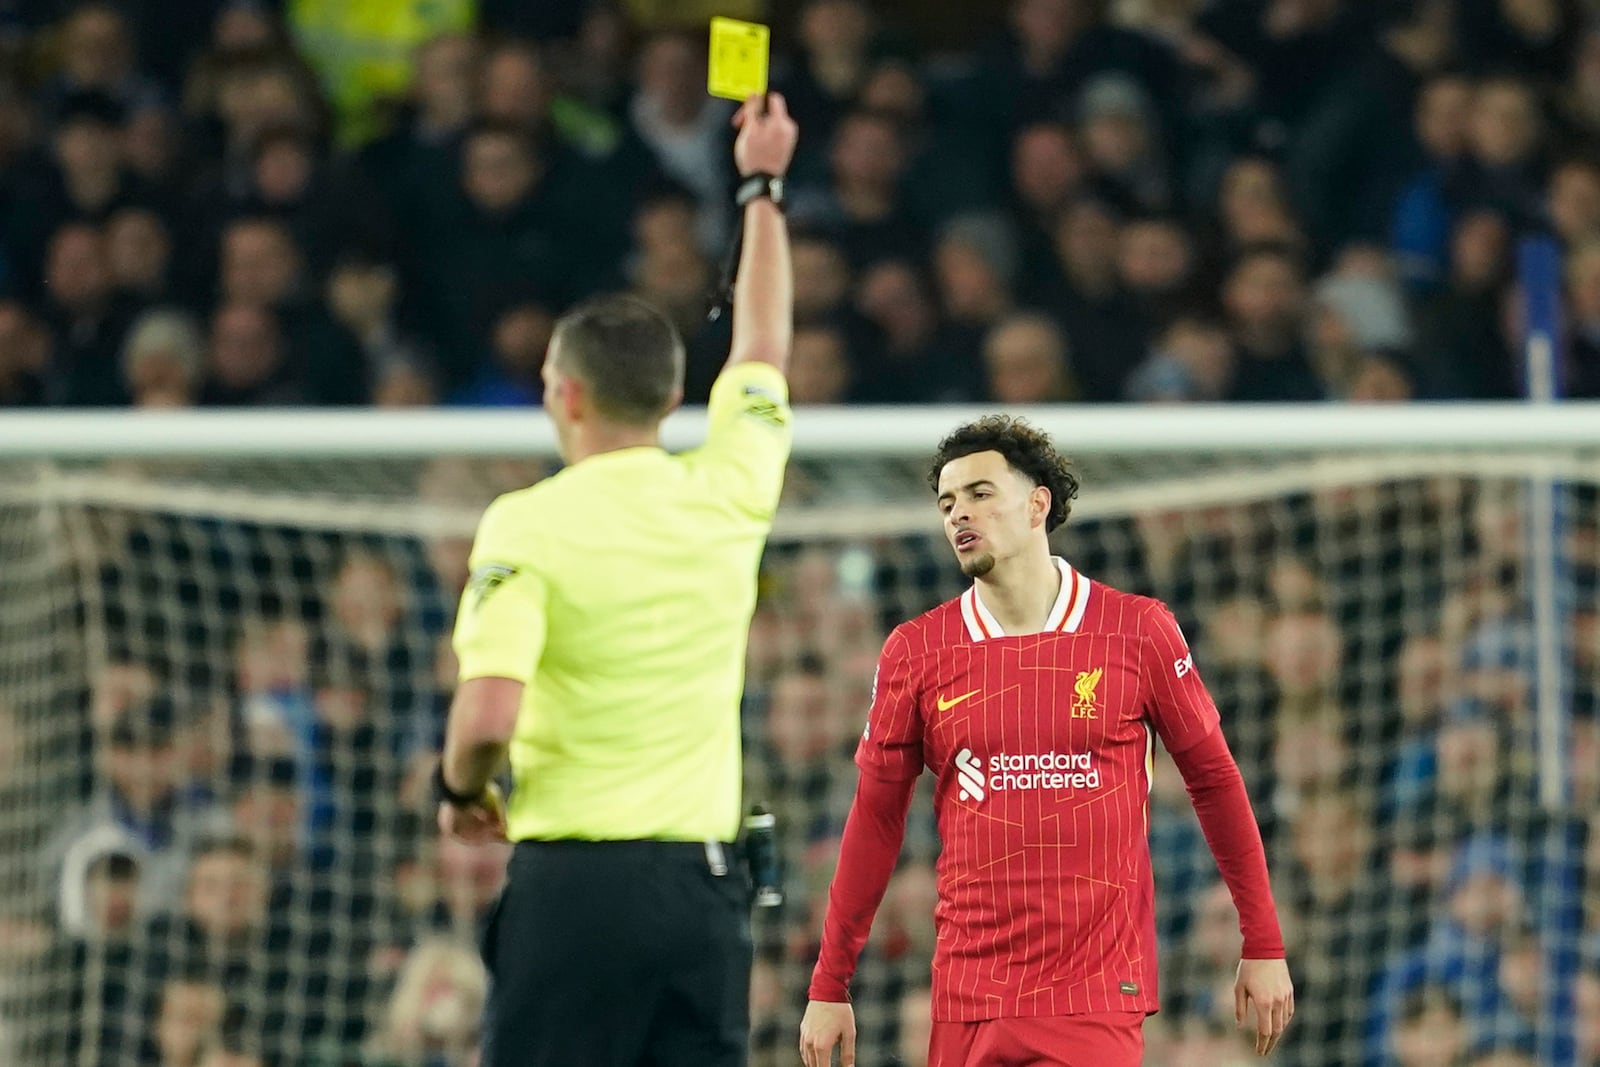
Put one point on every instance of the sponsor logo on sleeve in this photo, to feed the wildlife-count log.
(486, 579)
(764, 404)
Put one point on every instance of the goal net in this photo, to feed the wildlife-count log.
(224, 669)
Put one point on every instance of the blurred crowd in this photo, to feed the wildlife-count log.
(219, 851)
(221, 202)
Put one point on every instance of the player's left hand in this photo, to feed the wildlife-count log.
(1266, 984)
(478, 823)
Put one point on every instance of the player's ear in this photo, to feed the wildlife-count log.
(1038, 506)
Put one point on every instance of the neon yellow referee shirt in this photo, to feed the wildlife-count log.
(619, 592)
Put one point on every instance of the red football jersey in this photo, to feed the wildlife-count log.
(1042, 747)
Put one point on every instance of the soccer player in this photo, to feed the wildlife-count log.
(602, 640)
(1035, 699)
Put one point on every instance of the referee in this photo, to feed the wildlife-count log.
(602, 640)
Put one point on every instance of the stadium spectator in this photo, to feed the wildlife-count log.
(98, 54)
(1253, 208)
(1577, 100)
(1026, 358)
(363, 296)
(1581, 373)
(1588, 997)
(1157, 266)
(1192, 362)
(1421, 225)
(1462, 351)
(1430, 1031)
(1483, 902)
(433, 1014)
(266, 812)
(1048, 173)
(189, 1017)
(859, 203)
(142, 796)
(1178, 848)
(1574, 201)
(1198, 972)
(517, 342)
(976, 270)
(674, 278)
(1336, 892)
(362, 61)
(87, 182)
(819, 367)
(228, 1051)
(822, 280)
(1264, 294)
(417, 157)
(139, 251)
(87, 319)
(915, 358)
(246, 363)
(100, 896)
(507, 230)
(404, 384)
(594, 64)
(836, 45)
(163, 360)
(1122, 145)
(1105, 325)
(514, 87)
(25, 356)
(686, 129)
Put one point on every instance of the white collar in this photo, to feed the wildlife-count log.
(1066, 614)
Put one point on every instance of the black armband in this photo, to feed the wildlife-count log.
(442, 790)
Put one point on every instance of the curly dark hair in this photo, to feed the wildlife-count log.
(1027, 449)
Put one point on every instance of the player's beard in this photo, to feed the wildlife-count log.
(979, 565)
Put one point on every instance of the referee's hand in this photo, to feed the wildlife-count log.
(824, 1026)
(767, 136)
(479, 823)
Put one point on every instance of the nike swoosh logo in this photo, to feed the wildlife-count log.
(946, 705)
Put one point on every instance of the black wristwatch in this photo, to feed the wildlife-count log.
(447, 795)
(757, 186)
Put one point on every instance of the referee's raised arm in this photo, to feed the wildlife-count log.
(601, 641)
(763, 292)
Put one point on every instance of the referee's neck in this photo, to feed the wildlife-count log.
(596, 438)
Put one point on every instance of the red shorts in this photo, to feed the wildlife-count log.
(1101, 1039)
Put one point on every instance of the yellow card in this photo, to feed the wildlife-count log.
(738, 67)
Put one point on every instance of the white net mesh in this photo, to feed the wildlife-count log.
(221, 684)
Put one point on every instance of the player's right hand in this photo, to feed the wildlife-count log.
(767, 136)
(824, 1026)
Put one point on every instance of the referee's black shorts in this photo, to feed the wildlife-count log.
(617, 954)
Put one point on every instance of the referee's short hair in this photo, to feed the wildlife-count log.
(627, 353)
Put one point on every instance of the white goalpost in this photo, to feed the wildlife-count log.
(224, 660)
